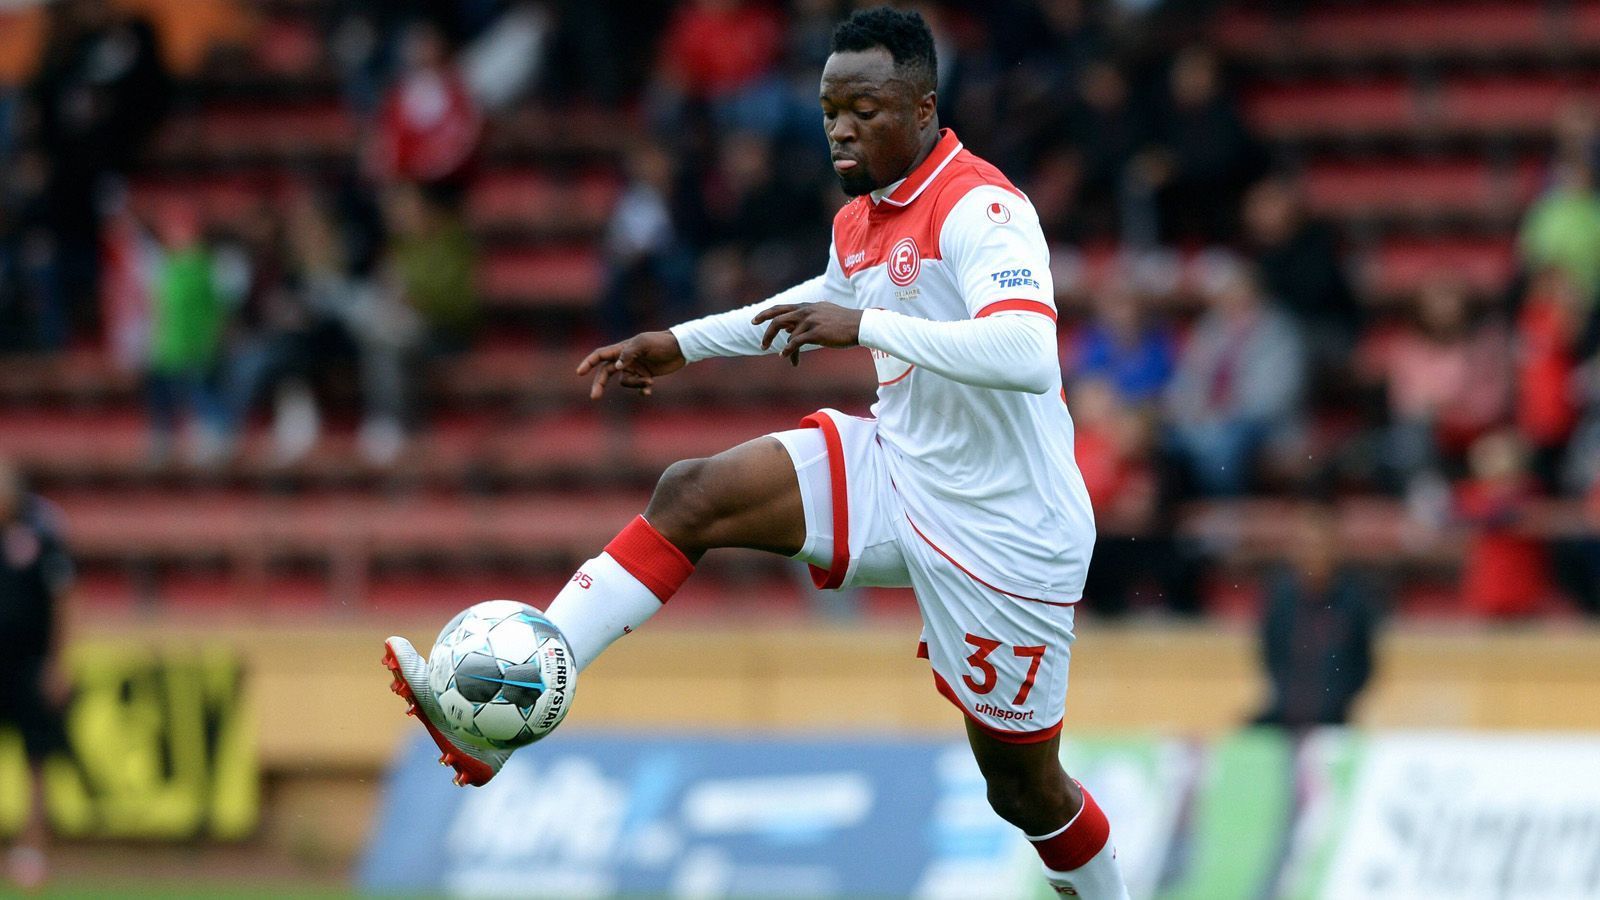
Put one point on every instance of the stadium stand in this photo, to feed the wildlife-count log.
(1421, 135)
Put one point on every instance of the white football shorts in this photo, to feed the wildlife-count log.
(1001, 658)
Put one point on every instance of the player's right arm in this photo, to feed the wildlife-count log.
(637, 361)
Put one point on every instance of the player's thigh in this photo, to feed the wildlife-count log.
(746, 496)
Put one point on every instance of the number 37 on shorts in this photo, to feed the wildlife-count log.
(1016, 692)
(989, 676)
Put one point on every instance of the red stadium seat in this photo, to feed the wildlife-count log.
(1411, 188)
(1505, 103)
(556, 278)
(280, 132)
(1399, 267)
(71, 377)
(1331, 108)
(1413, 30)
(532, 198)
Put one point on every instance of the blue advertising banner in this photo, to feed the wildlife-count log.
(1253, 814)
(598, 816)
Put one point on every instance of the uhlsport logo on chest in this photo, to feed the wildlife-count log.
(904, 262)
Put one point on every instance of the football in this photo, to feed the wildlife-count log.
(503, 675)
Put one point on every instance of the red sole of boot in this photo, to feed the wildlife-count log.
(468, 770)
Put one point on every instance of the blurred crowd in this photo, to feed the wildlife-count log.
(365, 268)
(1225, 351)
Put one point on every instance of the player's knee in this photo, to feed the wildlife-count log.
(683, 505)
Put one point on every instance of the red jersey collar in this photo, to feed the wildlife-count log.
(915, 183)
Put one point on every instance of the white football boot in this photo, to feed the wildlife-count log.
(473, 765)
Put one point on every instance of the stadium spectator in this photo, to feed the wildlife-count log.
(1507, 571)
(1124, 344)
(1550, 335)
(1106, 130)
(273, 333)
(1318, 630)
(644, 243)
(1137, 551)
(32, 310)
(756, 210)
(429, 127)
(1448, 379)
(185, 340)
(1238, 384)
(1042, 50)
(422, 306)
(724, 55)
(1562, 228)
(36, 576)
(1202, 156)
(1301, 271)
(98, 95)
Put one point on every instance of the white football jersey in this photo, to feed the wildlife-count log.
(987, 476)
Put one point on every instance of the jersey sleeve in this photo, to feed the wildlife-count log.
(731, 334)
(996, 252)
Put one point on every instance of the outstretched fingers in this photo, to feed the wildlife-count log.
(778, 318)
(798, 338)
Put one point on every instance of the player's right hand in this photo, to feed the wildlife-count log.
(635, 362)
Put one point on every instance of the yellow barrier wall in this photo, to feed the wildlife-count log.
(322, 702)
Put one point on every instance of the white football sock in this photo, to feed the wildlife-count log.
(601, 603)
(618, 591)
(1098, 879)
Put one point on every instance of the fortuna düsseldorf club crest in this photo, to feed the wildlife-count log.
(904, 262)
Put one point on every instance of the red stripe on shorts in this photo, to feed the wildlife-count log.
(833, 577)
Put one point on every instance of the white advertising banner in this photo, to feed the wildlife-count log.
(1445, 815)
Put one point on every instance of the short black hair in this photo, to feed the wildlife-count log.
(904, 34)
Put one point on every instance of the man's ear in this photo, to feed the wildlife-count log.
(927, 108)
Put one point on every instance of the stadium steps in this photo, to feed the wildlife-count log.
(1375, 33)
(195, 548)
(1393, 271)
(1420, 192)
(496, 373)
(1480, 107)
(587, 446)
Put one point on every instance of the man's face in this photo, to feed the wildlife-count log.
(874, 119)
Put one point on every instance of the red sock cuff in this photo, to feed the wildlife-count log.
(651, 558)
(1073, 846)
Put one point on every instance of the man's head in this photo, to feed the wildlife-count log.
(878, 102)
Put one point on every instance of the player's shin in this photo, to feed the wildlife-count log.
(1079, 858)
(619, 590)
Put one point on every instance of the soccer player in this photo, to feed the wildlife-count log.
(35, 577)
(963, 487)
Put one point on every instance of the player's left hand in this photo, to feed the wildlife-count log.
(824, 324)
